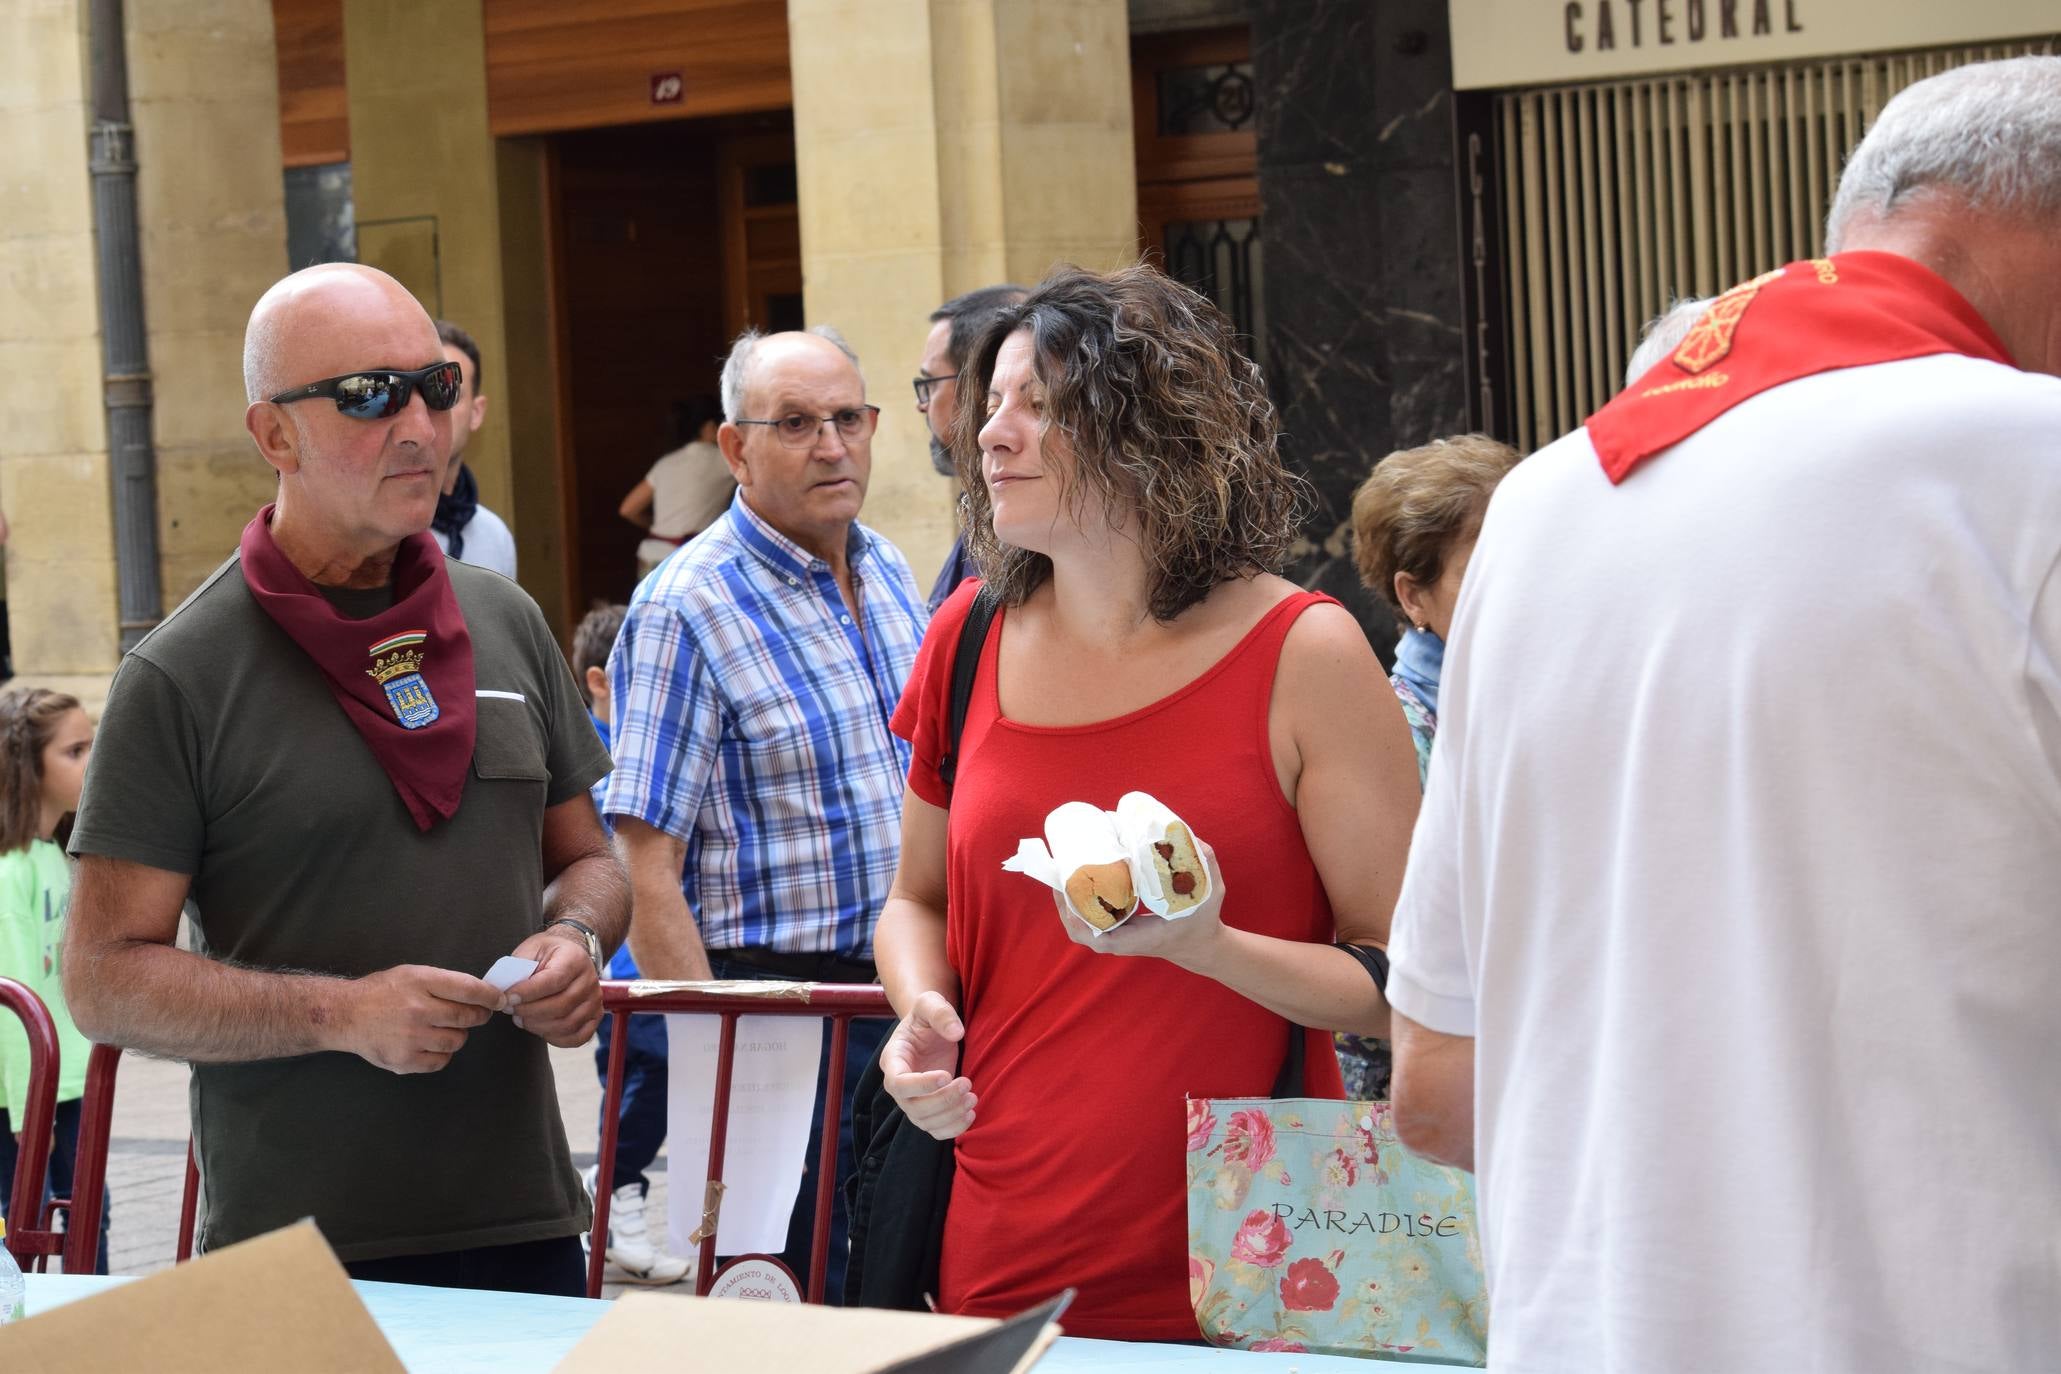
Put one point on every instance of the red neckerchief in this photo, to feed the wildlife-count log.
(403, 677)
(1851, 310)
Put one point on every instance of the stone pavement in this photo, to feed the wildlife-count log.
(146, 1164)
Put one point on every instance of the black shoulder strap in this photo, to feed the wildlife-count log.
(1375, 961)
(1290, 1083)
(973, 637)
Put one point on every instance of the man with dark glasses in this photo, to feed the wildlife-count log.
(344, 749)
(954, 328)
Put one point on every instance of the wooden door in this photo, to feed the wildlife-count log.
(1198, 169)
(761, 233)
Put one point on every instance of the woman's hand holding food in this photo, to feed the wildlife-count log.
(1191, 939)
(919, 1065)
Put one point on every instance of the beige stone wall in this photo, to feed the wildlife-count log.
(423, 181)
(213, 236)
(942, 145)
(53, 448)
(1069, 182)
(204, 97)
(866, 158)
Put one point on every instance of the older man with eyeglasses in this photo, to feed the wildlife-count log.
(364, 764)
(758, 791)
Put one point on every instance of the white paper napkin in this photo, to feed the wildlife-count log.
(1078, 833)
(1075, 834)
(1141, 823)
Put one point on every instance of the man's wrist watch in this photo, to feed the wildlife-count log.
(587, 938)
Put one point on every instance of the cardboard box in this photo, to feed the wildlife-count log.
(280, 1302)
(711, 1336)
(283, 1303)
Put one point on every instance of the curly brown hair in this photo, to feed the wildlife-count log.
(1170, 424)
(1418, 504)
(28, 720)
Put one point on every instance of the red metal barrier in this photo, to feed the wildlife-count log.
(89, 1173)
(840, 1002)
(189, 1202)
(32, 1246)
(79, 1241)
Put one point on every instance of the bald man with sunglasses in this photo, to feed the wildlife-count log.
(364, 764)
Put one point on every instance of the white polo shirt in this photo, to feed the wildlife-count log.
(488, 543)
(1741, 860)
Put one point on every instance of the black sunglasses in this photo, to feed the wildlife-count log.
(379, 395)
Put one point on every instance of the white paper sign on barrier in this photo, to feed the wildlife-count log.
(772, 1091)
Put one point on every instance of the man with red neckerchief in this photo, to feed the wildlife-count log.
(1727, 943)
(363, 764)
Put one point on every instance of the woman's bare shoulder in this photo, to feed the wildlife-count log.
(1245, 601)
(1327, 650)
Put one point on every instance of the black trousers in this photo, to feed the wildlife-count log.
(554, 1268)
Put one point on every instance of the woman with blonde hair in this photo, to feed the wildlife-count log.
(1414, 526)
(1129, 510)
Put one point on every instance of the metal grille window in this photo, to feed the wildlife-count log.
(1221, 259)
(1205, 100)
(1622, 197)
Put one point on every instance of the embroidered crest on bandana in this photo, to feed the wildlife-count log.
(400, 673)
(1710, 339)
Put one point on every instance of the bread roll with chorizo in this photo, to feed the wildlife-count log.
(1099, 884)
(1171, 875)
(1101, 894)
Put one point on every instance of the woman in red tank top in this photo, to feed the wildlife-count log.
(1128, 505)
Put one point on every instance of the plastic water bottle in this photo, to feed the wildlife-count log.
(12, 1286)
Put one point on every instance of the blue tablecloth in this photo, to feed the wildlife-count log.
(457, 1331)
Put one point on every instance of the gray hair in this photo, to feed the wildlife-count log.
(261, 357)
(737, 367)
(1664, 335)
(1989, 132)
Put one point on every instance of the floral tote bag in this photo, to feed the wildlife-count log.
(1310, 1228)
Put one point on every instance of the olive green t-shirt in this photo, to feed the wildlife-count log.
(223, 755)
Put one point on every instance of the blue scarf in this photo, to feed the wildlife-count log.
(455, 511)
(1419, 657)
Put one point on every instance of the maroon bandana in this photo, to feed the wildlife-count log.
(403, 677)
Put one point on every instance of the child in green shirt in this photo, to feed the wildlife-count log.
(45, 738)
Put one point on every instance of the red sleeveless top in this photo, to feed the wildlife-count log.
(1074, 1170)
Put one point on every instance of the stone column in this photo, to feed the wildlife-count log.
(210, 202)
(528, 409)
(423, 166)
(943, 145)
(213, 236)
(54, 474)
(1360, 221)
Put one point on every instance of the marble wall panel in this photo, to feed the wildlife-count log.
(1356, 166)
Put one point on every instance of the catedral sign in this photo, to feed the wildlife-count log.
(1539, 42)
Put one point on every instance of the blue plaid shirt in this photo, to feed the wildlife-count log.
(751, 721)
